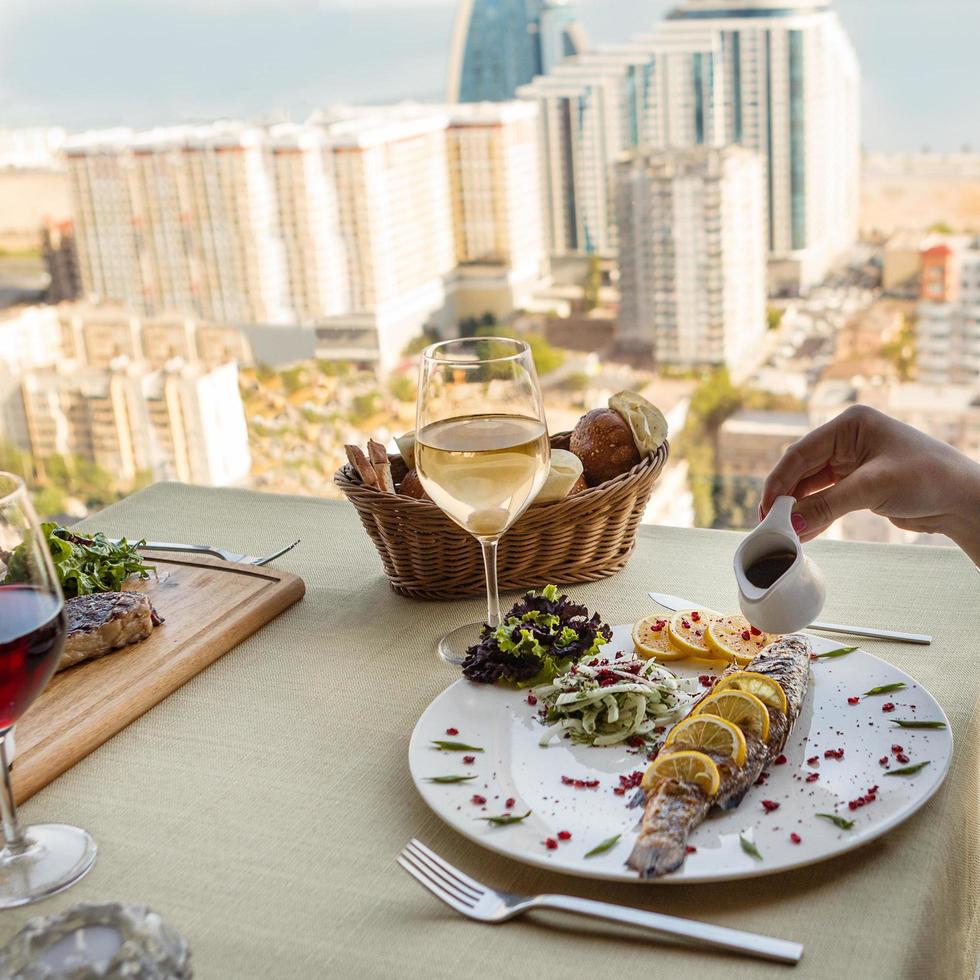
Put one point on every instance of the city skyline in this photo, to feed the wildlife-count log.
(336, 51)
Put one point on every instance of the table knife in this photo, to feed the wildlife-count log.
(674, 603)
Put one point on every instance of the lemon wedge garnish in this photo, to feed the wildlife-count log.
(709, 733)
(767, 689)
(738, 707)
(688, 629)
(689, 767)
(651, 637)
(735, 638)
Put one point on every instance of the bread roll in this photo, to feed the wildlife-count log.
(406, 446)
(646, 421)
(604, 443)
(566, 469)
(412, 486)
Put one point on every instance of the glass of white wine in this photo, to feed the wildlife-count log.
(482, 449)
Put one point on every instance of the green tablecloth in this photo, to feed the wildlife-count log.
(259, 809)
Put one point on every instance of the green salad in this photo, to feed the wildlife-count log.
(84, 564)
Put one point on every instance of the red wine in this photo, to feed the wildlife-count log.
(764, 572)
(32, 633)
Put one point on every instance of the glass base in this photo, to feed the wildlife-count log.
(453, 646)
(57, 857)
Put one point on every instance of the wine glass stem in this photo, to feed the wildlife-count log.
(490, 567)
(12, 832)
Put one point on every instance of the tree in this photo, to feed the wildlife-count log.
(402, 388)
(774, 316)
(941, 228)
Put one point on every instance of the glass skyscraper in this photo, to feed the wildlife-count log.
(499, 45)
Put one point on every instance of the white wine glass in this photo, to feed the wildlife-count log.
(482, 449)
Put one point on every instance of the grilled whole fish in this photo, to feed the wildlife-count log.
(676, 807)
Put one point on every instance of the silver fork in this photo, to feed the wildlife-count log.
(479, 902)
(210, 549)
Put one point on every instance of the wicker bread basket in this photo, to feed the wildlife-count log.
(582, 538)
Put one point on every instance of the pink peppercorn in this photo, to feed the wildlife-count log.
(888, 706)
(897, 748)
(755, 632)
(853, 700)
(901, 757)
(780, 760)
(696, 616)
(478, 800)
(769, 805)
(619, 790)
(567, 780)
(813, 777)
(746, 635)
(551, 843)
(564, 835)
(452, 731)
(795, 838)
(690, 849)
(813, 760)
(469, 759)
(531, 699)
(509, 802)
(883, 761)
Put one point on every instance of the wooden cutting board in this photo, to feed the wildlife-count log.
(209, 606)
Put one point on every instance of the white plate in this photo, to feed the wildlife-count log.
(513, 765)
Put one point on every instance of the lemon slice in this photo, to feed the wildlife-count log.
(651, 637)
(768, 690)
(688, 629)
(709, 733)
(735, 638)
(689, 767)
(740, 708)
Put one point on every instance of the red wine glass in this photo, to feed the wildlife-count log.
(43, 859)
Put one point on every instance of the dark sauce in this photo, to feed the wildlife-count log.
(769, 568)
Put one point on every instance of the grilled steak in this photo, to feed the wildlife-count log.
(103, 622)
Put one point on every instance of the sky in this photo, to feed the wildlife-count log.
(88, 63)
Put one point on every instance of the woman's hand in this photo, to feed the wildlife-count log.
(865, 460)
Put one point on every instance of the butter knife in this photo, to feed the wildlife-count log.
(674, 603)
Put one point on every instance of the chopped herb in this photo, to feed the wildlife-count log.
(607, 845)
(837, 821)
(908, 770)
(918, 724)
(839, 652)
(449, 779)
(886, 689)
(749, 847)
(455, 746)
(507, 818)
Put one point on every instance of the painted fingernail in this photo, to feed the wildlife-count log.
(799, 523)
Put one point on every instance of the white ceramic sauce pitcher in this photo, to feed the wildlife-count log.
(795, 599)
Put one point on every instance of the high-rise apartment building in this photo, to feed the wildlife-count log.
(692, 255)
(396, 219)
(780, 78)
(653, 92)
(308, 222)
(499, 45)
(179, 219)
(948, 324)
(791, 92)
(494, 182)
(180, 422)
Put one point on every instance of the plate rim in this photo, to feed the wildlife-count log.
(541, 861)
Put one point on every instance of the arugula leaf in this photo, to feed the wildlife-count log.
(918, 724)
(456, 746)
(837, 821)
(886, 689)
(908, 770)
(839, 652)
(84, 565)
(449, 779)
(607, 845)
(506, 819)
(749, 847)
